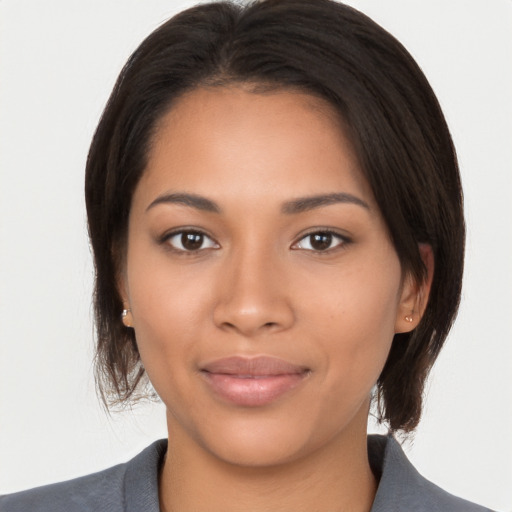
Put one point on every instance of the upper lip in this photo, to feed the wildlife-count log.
(253, 366)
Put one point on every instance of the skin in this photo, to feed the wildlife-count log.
(257, 286)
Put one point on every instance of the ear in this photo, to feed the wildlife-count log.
(414, 295)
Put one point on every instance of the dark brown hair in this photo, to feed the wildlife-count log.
(393, 119)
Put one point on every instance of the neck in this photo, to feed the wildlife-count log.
(336, 477)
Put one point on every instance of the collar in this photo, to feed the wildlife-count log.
(401, 488)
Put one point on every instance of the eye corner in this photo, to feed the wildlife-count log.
(327, 241)
(188, 241)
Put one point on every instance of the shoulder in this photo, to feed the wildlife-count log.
(99, 491)
(124, 487)
(402, 488)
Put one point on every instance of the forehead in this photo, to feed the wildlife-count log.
(230, 99)
(279, 141)
(249, 107)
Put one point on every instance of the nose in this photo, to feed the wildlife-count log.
(252, 295)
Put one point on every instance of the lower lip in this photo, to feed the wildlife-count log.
(252, 391)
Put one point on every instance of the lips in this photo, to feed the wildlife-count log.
(252, 382)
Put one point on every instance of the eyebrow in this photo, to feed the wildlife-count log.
(193, 200)
(303, 204)
(294, 206)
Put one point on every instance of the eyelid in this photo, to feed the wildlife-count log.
(168, 235)
(344, 239)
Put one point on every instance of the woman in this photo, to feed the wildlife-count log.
(275, 211)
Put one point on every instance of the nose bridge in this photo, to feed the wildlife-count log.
(252, 293)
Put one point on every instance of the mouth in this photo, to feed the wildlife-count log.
(252, 382)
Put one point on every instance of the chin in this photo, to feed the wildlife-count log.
(286, 431)
(260, 447)
(258, 440)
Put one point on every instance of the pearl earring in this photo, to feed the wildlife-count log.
(126, 317)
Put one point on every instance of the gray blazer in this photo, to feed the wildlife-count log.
(133, 487)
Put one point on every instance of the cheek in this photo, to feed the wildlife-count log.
(162, 294)
(166, 306)
(355, 320)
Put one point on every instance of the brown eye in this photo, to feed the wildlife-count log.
(190, 241)
(320, 241)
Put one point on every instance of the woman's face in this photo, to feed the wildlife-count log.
(264, 288)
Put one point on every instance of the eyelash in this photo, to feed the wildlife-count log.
(166, 239)
(342, 241)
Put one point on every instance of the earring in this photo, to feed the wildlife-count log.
(409, 318)
(126, 317)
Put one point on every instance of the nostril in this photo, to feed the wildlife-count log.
(250, 317)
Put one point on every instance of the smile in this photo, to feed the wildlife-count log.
(252, 382)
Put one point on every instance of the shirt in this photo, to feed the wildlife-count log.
(133, 486)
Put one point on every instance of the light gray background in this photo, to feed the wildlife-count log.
(58, 62)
